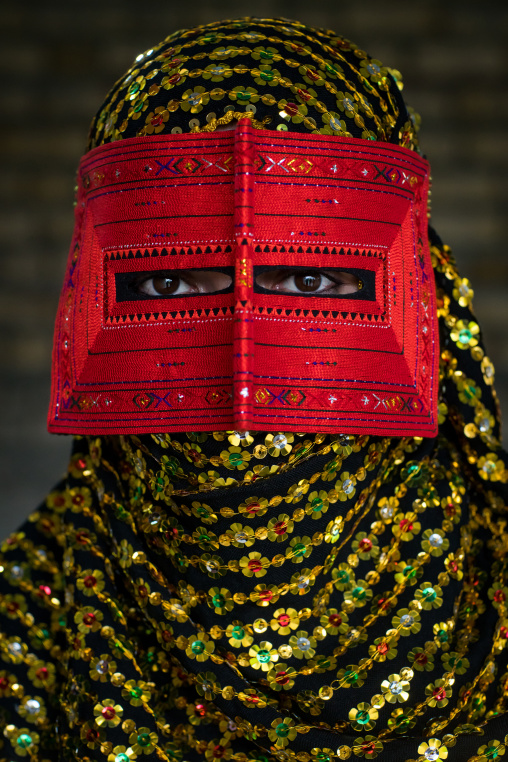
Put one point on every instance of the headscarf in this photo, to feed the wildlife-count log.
(283, 73)
(369, 619)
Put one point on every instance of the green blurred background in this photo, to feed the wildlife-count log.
(59, 58)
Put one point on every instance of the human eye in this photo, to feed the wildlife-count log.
(311, 282)
(165, 283)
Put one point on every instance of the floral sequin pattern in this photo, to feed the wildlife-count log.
(376, 530)
(281, 74)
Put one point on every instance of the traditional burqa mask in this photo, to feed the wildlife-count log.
(254, 278)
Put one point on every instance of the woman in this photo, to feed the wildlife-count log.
(251, 252)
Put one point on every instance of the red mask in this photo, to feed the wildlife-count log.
(248, 280)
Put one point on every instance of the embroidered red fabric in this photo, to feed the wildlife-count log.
(243, 358)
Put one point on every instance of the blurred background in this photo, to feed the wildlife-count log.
(59, 58)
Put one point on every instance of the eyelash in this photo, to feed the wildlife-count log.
(289, 273)
(335, 281)
(164, 274)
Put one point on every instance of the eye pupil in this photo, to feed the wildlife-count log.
(308, 281)
(166, 284)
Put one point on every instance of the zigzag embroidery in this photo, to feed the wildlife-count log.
(287, 312)
(188, 250)
(148, 317)
(273, 249)
(327, 250)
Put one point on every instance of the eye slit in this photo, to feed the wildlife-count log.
(165, 284)
(310, 282)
